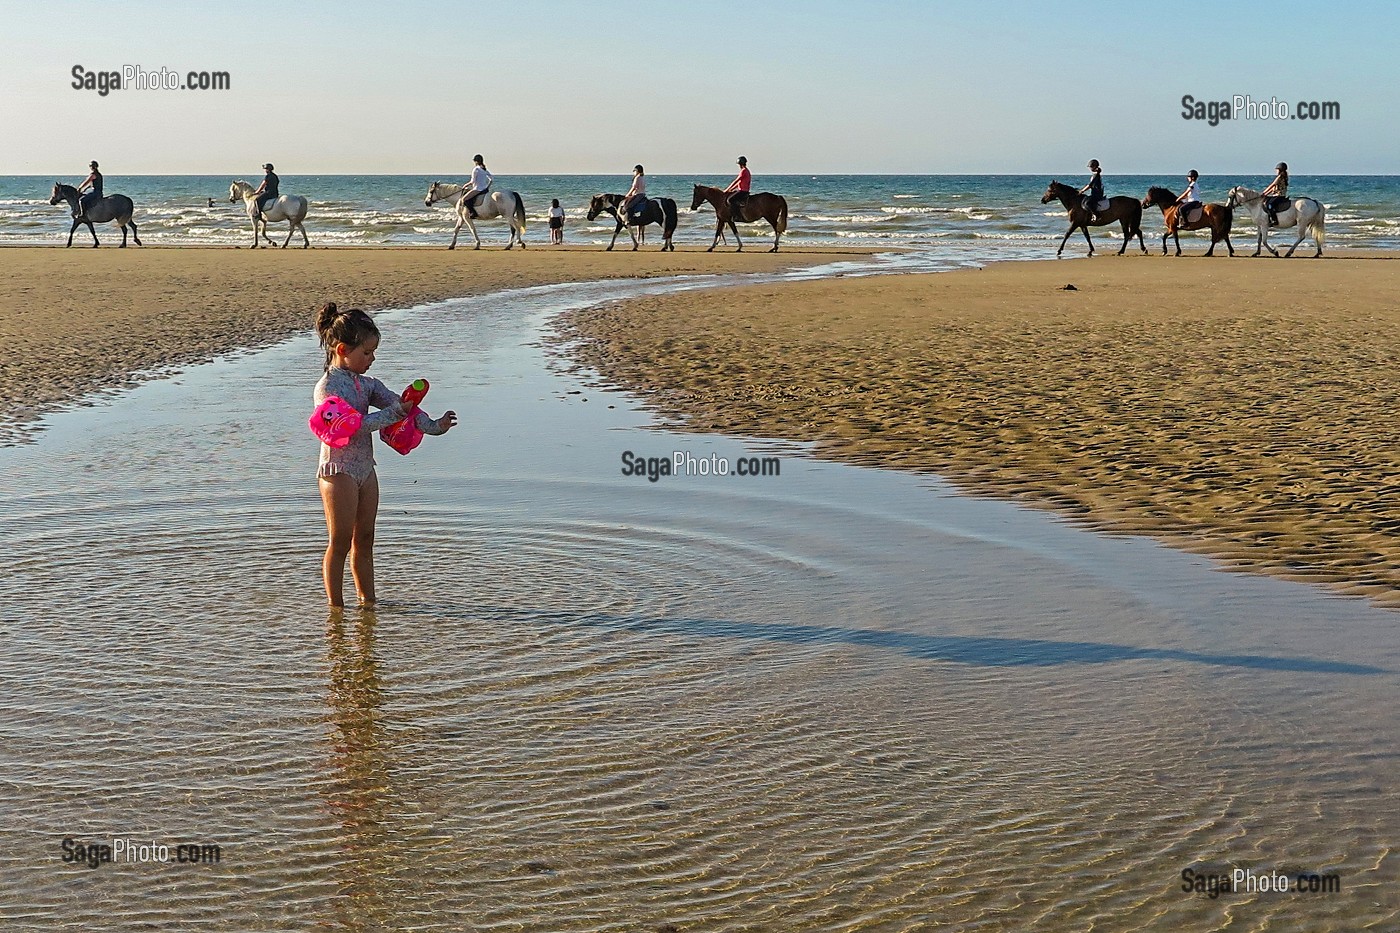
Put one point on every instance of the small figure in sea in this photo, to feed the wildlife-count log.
(1276, 195)
(349, 485)
(738, 189)
(93, 181)
(480, 184)
(636, 195)
(556, 223)
(267, 191)
(1190, 198)
(1093, 191)
(211, 202)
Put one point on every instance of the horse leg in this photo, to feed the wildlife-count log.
(305, 243)
(133, 234)
(736, 236)
(1176, 238)
(455, 231)
(291, 228)
(616, 231)
(1071, 229)
(1085, 228)
(1211, 251)
(93, 231)
(1127, 235)
(76, 223)
(719, 231)
(123, 243)
(471, 225)
(632, 232)
(776, 236)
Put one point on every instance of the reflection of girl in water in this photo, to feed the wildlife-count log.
(357, 789)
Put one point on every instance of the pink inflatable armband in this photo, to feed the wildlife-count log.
(334, 421)
(404, 435)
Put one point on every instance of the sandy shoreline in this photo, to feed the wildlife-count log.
(1249, 414)
(74, 321)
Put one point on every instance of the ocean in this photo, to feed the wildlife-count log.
(961, 217)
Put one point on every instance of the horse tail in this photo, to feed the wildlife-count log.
(519, 210)
(1318, 227)
(671, 215)
(782, 214)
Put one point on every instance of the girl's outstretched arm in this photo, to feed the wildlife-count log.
(435, 425)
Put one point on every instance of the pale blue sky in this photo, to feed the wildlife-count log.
(810, 87)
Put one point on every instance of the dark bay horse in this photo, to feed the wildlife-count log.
(761, 206)
(659, 211)
(1218, 217)
(1125, 211)
(113, 208)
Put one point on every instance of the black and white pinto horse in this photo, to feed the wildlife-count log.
(659, 211)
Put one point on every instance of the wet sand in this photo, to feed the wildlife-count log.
(1243, 409)
(74, 321)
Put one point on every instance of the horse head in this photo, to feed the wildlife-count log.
(235, 191)
(1050, 193)
(597, 205)
(1157, 197)
(1237, 196)
(432, 195)
(57, 193)
(699, 198)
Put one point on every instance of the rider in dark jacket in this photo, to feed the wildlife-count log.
(94, 180)
(267, 191)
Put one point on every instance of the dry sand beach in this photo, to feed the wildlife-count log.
(1245, 409)
(76, 321)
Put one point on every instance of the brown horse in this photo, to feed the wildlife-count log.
(756, 207)
(1218, 217)
(1126, 211)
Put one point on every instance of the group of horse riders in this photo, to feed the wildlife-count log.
(1273, 198)
(738, 190)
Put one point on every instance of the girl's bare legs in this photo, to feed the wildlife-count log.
(340, 495)
(362, 542)
(351, 510)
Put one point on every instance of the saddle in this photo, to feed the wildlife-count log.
(1097, 207)
(638, 208)
(1274, 204)
(1191, 216)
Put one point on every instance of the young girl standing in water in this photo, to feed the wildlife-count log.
(349, 486)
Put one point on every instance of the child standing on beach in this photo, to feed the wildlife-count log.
(556, 223)
(349, 486)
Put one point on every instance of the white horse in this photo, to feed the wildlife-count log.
(497, 203)
(289, 207)
(1309, 216)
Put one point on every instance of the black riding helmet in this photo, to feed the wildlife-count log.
(743, 160)
(638, 168)
(478, 159)
(1193, 174)
(1281, 167)
(1093, 163)
(92, 164)
(267, 166)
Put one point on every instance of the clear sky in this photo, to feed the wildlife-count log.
(864, 86)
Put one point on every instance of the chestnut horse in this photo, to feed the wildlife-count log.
(756, 207)
(1218, 217)
(1126, 211)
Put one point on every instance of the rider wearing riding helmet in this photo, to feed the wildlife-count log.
(94, 180)
(738, 190)
(481, 183)
(1190, 198)
(1276, 195)
(1094, 189)
(637, 194)
(267, 191)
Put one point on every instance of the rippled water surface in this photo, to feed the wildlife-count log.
(836, 699)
